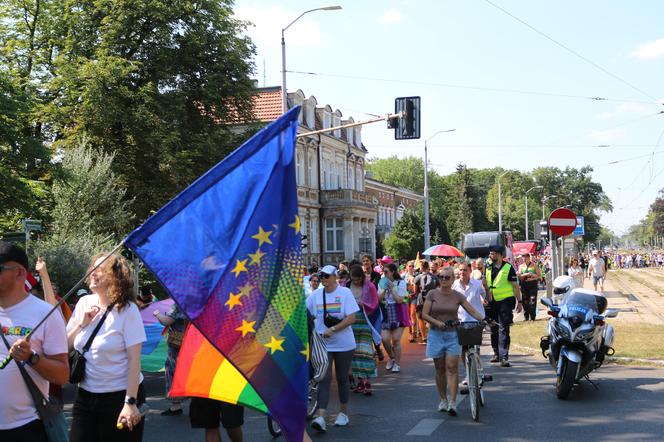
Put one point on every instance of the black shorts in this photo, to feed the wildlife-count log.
(204, 413)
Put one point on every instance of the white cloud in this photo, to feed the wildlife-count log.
(268, 22)
(650, 50)
(391, 16)
(624, 109)
(607, 136)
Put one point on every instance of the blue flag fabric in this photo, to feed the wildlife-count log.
(228, 250)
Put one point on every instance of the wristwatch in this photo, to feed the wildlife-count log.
(333, 328)
(33, 359)
(130, 400)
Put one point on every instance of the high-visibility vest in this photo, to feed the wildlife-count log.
(501, 288)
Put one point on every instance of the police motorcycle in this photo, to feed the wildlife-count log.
(579, 338)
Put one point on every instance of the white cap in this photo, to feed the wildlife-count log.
(329, 270)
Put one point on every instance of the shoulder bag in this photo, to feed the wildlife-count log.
(328, 319)
(49, 411)
(77, 358)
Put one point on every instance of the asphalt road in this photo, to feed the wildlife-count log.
(521, 406)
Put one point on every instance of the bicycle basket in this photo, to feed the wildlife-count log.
(470, 334)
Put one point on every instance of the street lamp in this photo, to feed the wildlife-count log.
(500, 204)
(532, 188)
(427, 233)
(544, 200)
(284, 96)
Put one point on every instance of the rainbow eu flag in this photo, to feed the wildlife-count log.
(228, 250)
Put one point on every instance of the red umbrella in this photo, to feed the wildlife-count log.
(442, 250)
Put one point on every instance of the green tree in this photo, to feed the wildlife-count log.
(460, 216)
(149, 81)
(407, 237)
(89, 210)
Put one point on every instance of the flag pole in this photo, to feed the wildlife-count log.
(63, 300)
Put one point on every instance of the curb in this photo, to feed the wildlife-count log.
(608, 358)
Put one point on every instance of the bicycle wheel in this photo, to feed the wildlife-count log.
(474, 387)
(273, 427)
(312, 404)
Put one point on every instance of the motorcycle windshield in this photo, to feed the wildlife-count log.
(578, 304)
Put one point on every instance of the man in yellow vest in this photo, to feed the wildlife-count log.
(505, 295)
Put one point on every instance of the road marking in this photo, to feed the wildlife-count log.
(426, 427)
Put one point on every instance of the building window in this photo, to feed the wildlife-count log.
(334, 235)
(312, 170)
(351, 178)
(300, 116)
(299, 167)
(313, 241)
(365, 245)
(349, 135)
(337, 122)
(358, 137)
(310, 115)
(340, 182)
(358, 178)
(327, 120)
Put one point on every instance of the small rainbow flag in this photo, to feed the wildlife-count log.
(202, 371)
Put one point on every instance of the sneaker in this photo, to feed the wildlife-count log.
(495, 359)
(396, 368)
(171, 412)
(390, 364)
(442, 405)
(505, 363)
(464, 382)
(342, 420)
(451, 410)
(319, 425)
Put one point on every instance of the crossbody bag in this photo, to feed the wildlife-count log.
(77, 358)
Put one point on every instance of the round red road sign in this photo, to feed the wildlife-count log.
(562, 222)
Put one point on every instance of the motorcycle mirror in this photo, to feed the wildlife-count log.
(611, 313)
(547, 301)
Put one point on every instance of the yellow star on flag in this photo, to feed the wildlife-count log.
(262, 236)
(246, 327)
(240, 267)
(245, 290)
(296, 225)
(256, 257)
(233, 300)
(275, 344)
(305, 352)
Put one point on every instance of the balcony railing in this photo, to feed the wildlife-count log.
(346, 197)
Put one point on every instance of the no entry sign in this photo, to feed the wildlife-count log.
(562, 222)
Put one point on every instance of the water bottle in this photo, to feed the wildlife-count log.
(143, 409)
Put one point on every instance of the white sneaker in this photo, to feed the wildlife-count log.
(342, 420)
(396, 368)
(319, 425)
(442, 405)
(390, 364)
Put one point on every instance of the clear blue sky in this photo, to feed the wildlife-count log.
(457, 54)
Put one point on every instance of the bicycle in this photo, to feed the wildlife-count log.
(470, 337)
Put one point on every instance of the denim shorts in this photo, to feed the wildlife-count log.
(441, 343)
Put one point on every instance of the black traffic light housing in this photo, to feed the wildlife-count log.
(408, 126)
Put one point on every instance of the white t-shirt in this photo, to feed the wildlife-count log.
(106, 363)
(340, 303)
(16, 405)
(474, 294)
(597, 266)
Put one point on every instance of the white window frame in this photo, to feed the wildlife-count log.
(327, 120)
(336, 121)
(334, 234)
(349, 135)
(313, 172)
(299, 167)
(351, 178)
(358, 178)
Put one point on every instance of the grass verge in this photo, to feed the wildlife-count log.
(633, 340)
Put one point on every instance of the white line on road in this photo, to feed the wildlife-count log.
(426, 427)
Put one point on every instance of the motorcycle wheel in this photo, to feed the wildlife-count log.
(273, 427)
(565, 380)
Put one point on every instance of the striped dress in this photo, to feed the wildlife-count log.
(363, 364)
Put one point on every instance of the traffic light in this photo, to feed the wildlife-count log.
(544, 230)
(408, 126)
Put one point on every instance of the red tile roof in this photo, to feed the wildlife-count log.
(267, 104)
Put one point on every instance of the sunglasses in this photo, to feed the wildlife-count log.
(6, 267)
(446, 277)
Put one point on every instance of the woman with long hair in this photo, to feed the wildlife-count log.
(392, 292)
(442, 304)
(363, 365)
(111, 390)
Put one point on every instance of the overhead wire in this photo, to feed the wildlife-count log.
(573, 52)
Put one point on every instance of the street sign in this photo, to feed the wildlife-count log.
(562, 222)
(32, 225)
(14, 237)
(580, 227)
